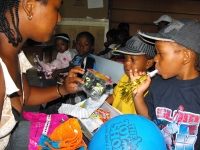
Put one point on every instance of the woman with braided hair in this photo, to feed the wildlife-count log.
(20, 20)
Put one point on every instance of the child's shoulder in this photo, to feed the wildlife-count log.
(90, 56)
(157, 80)
(72, 53)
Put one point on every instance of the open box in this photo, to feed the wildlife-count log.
(113, 112)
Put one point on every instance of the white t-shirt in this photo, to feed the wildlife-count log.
(8, 121)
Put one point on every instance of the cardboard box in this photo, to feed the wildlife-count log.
(113, 112)
(79, 9)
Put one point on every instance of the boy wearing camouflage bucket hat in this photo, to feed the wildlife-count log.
(173, 100)
(138, 55)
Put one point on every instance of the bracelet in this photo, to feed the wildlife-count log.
(58, 90)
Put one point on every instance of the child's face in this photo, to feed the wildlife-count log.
(139, 62)
(169, 59)
(61, 45)
(83, 46)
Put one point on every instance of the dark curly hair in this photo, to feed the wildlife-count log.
(11, 6)
(86, 34)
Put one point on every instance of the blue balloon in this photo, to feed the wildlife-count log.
(128, 132)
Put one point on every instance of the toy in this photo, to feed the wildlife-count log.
(94, 83)
(130, 86)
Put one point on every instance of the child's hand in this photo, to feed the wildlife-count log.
(142, 88)
(136, 75)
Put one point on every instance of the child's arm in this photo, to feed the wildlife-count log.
(139, 92)
(58, 71)
(110, 99)
(140, 105)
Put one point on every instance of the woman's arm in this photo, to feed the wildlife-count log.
(2, 91)
(40, 95)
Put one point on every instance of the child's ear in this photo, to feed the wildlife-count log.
(187, 56)
(92, 46)
(149, 63)
(92, 49)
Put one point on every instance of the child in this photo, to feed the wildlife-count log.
(138, 55)
(84, 45)
(64, 56)
(124, 26)
(122, 36)
(173, 100)
(109, 44)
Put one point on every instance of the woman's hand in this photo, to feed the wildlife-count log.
(71, 80)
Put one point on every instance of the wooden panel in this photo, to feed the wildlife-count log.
(140, 14)
(189, 7)
(79, 9)
(144, 17)
(135, 27)
(40, 50)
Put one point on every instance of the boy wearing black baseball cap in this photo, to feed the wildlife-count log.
(173, 100)
(138, 55)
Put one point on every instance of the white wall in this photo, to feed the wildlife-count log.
(109, 68)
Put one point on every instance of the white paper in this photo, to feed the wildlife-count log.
(95, 3)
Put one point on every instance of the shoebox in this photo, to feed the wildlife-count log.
(87, 125)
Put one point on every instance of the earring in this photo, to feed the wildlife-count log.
(30, 17)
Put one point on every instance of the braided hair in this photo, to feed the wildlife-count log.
(8, 5)
(12, 6)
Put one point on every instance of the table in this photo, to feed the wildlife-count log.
(39, 50)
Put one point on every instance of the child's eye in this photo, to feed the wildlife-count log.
(159, 53)
(132, 59)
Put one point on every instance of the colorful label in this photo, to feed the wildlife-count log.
(179, 128)
(101, 76)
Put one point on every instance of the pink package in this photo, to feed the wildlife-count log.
(42, 124)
